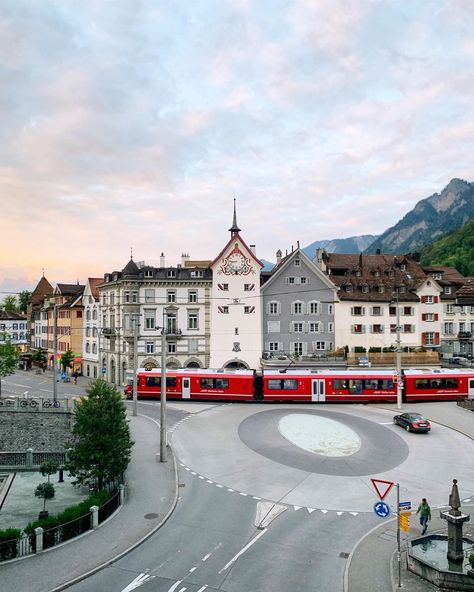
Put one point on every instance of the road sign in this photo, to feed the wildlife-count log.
(404, 520)
(104, 369)
(381, 509)
(404, 506)
(382, 487)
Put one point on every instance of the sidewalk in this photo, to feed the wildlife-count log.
(144, 511)
(373, 563)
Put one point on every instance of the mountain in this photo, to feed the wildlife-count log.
(429, 220)
(353, 244)
(456, 249)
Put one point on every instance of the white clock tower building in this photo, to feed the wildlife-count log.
(236, 314)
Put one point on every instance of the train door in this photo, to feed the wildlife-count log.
(470, 389)
(318, 392)
(186, 388)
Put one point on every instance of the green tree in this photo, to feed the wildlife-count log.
(9, 358)
(9, 303)
(66, 359)
(101, 449)
(39, 358)
(45, 491)
(48, 468)
(23, 300)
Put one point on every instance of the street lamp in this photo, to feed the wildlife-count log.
(163, 391)
(399, 357)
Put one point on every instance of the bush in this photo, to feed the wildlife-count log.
(360, 350)
(8, 543)
(375, 350)
(50, 533)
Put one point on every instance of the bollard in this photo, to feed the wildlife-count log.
(121, 489)
(94, 516)
(61, 475)
(39, 539)
(29, 458)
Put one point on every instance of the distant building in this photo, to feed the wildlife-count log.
(91, 329)
(13, 328)
(36, 318)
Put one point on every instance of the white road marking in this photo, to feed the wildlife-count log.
(386, 423)
(242, 551)
(210, 481)
(206, 557)
(46, 390)
(339, 513)
(138, 581)
(354, 513)
(324, 511)
(240, 493)
(310, 510)
(221, 486)
(297, 508)
(174, 586)
(201, 589)
(256, 498)
(231, 490)
(192, 569)
(182, 589)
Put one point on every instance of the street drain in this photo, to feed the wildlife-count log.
(344, 555)
(151, 516)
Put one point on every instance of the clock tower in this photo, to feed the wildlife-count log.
(236, 317)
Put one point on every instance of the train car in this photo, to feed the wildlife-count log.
(197, 383)
(344, 386)
(438, 384)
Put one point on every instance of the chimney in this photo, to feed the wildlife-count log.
(278, 257)
(319, 259)
(254, 250)
(184, 258)
(162, 260)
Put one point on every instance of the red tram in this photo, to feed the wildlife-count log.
(344, 386)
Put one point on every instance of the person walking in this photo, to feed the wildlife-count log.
(425, 514)
(76, 374)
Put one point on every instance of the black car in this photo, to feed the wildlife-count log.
(412, 422)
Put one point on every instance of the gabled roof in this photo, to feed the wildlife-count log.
(43, 288)
(69, 289)
(11, 315)
(93, 283)
(237, 237)
(465, 295)
(300, 254)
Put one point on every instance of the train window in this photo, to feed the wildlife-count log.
(287, 384)
(207, 383)
(451, 383)
(290, 384)
(170, 382)
(422, 383)
(386, 384)
(355, 387)
(274, 385)
(371, 384)
(222, 383)
(153, 381)
(340, 384)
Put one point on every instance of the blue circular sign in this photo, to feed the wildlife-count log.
(382, 509)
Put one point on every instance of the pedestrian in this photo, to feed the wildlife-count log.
(425, 514)
(75, 376)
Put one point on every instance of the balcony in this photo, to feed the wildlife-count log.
(108, 332)
(464, 335)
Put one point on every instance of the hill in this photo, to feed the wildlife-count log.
(456, 249)
(352, 244)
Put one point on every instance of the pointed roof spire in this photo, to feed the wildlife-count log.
(234, 229)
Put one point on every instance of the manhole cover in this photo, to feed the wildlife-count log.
(151, 516)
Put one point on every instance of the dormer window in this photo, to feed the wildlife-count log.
(148, 273)
(348, 287)
(365, 288)
(377, 273)
(358, 273)
(381, 288)
(447, 289)
(171, 273)
(401, 289)
(403, 267)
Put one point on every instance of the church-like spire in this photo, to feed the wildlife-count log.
(234, 229)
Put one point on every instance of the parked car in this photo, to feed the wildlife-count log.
(412, 422)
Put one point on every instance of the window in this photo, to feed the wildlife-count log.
(214, 383)
(94, 315)
(94, 348)
(429, 338)
(392, 311)
(297, 262)
(330, 309)
(223, 309)
(134, 296)
(377, 311)
(330, 327)
(428, 317)
(126, 296)
(428, 299)
(112, 298)
(192, 296)
(314, 327)
(88, 315)
(171, 296)
(284, 384)
(407, 328)
(290, 280)
(298, 348)
(273, 346)
(88, 347)
(149, 319)
(249, 309)
(304, 280)
(365, 288)
(192, 320)
(358, 311)
(273, 326)
(249, 287)
(198, 273)
(358, 328)
(155, 381)
(78, 314)
(223, 287)
(407, 311)
(148, 273)
(314, 308)
(381, 288)
(149, 295)
(319, 345)
(171, 273)
(236, 331)
(273, 308)
(447, 289)
(297, 308)
(171, 323)
(171, 347)
(297, 327)
(150, 347)
(377, 328)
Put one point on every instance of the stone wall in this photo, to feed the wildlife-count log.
(43, 430)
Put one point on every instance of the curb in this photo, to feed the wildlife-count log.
(137, 543)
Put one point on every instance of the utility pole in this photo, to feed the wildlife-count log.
(398, 538)
(55, 353)
(399, 361)
(135, 319)
(163, 393)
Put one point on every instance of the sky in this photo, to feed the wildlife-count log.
(135, 123)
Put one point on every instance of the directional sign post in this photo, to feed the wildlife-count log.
(382, 509)
(404, 506)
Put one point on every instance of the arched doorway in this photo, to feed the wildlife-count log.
(237, 364)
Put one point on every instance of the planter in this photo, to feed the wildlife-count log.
(43, 515)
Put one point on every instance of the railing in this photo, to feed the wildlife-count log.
(288, 356)
(28, 544)
(464, 335)
(29, 460)
(36, 404)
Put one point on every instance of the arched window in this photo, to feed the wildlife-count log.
(88, 315)
(94, 348)
(88, 347)
(94, 314)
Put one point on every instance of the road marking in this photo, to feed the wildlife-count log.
(174, 586)
(46, 390)
(231, 490)
(324, 511)
(192, 569)
(297, 508)
(206, 557)
(242, 551)
(202, 589)
(138, 581)
(182, 589)
(210, 481)
(386, 423)
(311, 510)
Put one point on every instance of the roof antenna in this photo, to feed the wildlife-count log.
(131, 252)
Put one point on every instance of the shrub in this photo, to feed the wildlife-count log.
(375, 350)
(8, 543)
(359, 349)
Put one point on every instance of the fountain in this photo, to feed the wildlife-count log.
(441, 559)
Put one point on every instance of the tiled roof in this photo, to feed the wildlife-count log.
(465, 295)
(70, 289)
(93, 283)
(43, 288)
(10, 315)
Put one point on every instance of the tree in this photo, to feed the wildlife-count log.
(9, 303)
(39, 358)
(101, 449)
(45, 491)
(66, 359)
(23, 300)
(9, 359)
(48, 468)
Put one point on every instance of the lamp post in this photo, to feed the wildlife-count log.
(163, 392)
(135, 319)
(55, 353)
(399, 360)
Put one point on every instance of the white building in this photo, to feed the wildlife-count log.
(236, 313)
(90, 348)
(13, 328)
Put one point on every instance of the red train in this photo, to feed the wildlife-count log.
(344, 386)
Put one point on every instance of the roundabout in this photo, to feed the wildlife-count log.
(319, 457)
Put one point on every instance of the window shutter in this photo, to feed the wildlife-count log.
(435, 299)
(436, 338)
(290, 329)
(363, 310)
(320, 328)
(423, 316)
(267, 346)
(423, 339)
(352, 310)
(423, 299)
(305, 348)
(436, 316)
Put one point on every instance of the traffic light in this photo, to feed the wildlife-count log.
(404, 519)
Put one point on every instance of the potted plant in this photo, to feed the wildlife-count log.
(45, 491)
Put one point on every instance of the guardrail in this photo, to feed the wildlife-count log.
(29, 460)
(36, 404)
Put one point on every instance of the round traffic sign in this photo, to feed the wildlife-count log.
(382, 509)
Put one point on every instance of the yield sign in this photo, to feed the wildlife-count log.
(382, 487)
